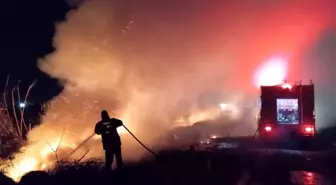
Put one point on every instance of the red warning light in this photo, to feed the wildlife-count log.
(309, 129)
(268, 128)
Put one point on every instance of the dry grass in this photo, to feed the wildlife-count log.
(13, 127)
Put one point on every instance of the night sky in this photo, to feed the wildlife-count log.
(26, 34)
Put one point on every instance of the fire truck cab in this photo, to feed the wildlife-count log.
(287, 111)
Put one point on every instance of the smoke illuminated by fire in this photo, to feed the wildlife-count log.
(156, 70)
(272, 72)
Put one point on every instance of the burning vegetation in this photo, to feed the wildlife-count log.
(63, 129)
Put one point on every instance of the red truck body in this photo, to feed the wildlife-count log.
(287, 110)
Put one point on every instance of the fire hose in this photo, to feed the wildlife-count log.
(143, 145)
(88, 138)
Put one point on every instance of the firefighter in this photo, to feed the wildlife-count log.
(107, 128)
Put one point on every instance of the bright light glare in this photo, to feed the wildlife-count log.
(223, 106)
(272, 72)
(22, 105)
(310, 174)
(268, 128)
(286, 86)
(308, 129)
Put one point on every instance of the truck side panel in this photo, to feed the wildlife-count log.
(308, 104)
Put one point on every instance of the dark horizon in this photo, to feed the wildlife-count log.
(27, 35)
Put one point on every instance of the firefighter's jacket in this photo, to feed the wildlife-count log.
(108, 130)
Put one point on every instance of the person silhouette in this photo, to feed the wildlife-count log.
(107, 128)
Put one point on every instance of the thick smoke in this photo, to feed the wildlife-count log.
(149, 67)
(155, 62)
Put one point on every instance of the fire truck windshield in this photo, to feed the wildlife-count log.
(287, 111)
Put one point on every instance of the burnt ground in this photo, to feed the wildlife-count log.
(207, 168)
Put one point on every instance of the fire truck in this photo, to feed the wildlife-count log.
(287, 111)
